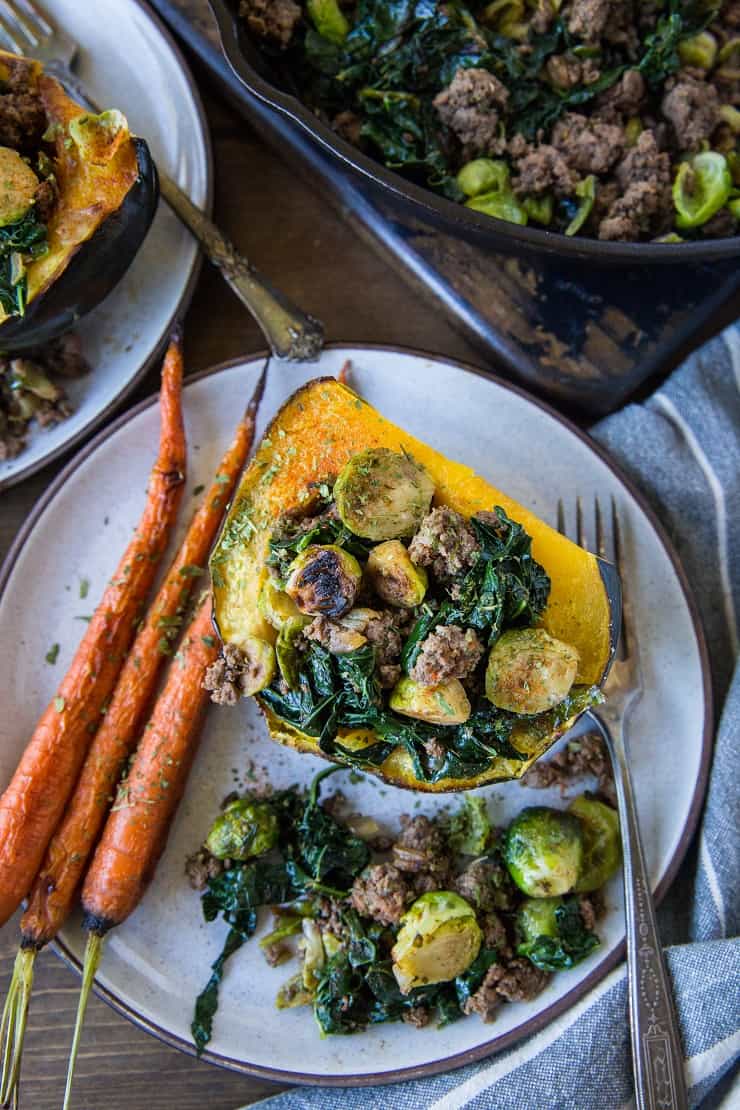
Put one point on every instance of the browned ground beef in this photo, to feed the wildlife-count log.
(645, 202)
(543, 168)
(271, 19)
(422, 850)
(22, 115)
(469, 107)
(515, 981)
(588, 18)
(623, 99)
(446, 543)
(62, 358)
(447, 652)
(588, 145)
(418, 1016)
(381, 628)
(226, 679)
(202, 866)
(495, 934)
(692, 108)
(47, 195)
(486, 885)
(381, 892)
(583, 758)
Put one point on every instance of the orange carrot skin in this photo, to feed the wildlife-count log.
(37, 794)
(56, 884)
(135, 834)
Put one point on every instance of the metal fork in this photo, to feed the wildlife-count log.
(657, 1053)
(291, 333)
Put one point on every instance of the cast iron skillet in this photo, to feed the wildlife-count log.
(263, 80)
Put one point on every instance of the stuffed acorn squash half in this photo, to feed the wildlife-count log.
(392, 611)
(77, 195)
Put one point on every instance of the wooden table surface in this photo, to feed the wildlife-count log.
(296, 238)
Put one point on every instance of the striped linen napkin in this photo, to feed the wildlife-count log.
(682, 448)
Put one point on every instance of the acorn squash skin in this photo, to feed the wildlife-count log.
(104, 212)
(314, 433)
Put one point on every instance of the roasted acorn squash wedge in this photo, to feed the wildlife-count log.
(106, 196)
(314, 434)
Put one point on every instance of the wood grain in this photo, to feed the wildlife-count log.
(303, 245)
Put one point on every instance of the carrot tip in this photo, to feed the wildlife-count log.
(13, 1024)
(93, 952)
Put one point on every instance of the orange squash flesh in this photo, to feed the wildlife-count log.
(317, 430)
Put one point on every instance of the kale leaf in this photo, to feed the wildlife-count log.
(26, 236)
(571, 945)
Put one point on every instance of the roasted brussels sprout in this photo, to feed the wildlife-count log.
(245, 829)
(329, 20)
(529, 671)
(324, 580)
(275, 605)
(258, 666)
(18, 185)
(443, 704)
(701, 187)
(552, 934)
(438, 940)
(285, 649)
(394, 577)
(602, 848)
(382, 494)
(543, 850)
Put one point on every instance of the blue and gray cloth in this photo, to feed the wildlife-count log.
(682, 448)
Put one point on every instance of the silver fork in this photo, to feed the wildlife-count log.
(657, 1053)
(291, 333)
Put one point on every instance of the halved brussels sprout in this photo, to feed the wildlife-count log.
(438, 940)
(258, 665)
(394, 577)
(552, 933)
(543, 850)
(701, 187)
(275, 605)
(285, 649)
(324, 580)
(602, 847)
(443, 704)
(244, 830)
(536, 918)
(529, 671)
(383, 494)
(18, 185)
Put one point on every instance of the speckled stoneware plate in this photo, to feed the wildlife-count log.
(156, 963)
(128, 61)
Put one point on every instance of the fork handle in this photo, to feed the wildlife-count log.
(657, 1053)
(291, 333)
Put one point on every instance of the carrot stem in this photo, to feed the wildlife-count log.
(93, 952)
(13, 1025)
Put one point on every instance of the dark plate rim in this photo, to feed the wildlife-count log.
(534, 1024)
(456, 215)
(185, 297)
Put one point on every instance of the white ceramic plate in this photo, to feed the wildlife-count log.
(157, 962)
(128, 61)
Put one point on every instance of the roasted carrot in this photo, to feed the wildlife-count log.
(135, 834)
(52, 895)
(70, 847)
(34, 801)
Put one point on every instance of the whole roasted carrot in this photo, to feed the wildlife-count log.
(34, 801)
(135, 834)
(52, 895)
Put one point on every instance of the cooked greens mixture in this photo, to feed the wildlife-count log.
(608, 118)
(429, 645)
(451, 917)
(32, 389)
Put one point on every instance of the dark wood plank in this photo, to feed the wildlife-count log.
(295, 237)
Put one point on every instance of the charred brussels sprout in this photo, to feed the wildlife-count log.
(543, 851)
(438, 940)
(701, 187)
(552, 934)
(382, 494)
(394, 577)
(529, 671)
(602, 849)
(275, 605)
(443, 704)
(244, 830)
(324, 580)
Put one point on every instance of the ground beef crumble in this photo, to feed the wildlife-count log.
(692, 108)
(588, 144)
(422, 850)
(515, 981)
(445, 543)
(47, 403)
(583, 758)
(468, 106)
(271, 19)
(381, 892)
(22, 114)
(447, 652)
(227, 678)
(486, 885)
